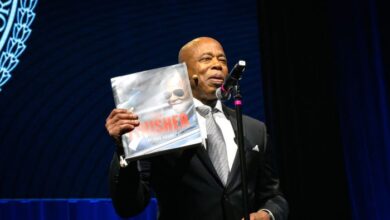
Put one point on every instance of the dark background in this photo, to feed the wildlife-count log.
(53, 110)
(324, 84)
(326, 80)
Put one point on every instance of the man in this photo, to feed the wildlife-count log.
(192, 183)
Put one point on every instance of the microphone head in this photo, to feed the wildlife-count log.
(238, 69)
(223, 93)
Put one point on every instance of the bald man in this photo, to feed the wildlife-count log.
(186, 182)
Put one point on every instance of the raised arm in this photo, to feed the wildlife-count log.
(129, 186)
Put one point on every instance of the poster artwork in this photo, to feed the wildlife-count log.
(163, 101)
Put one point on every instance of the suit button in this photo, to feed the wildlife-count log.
(225, 197)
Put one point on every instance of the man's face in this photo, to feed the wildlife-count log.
(207, 68)
(176, 94)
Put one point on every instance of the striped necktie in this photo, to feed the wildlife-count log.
(216, 146)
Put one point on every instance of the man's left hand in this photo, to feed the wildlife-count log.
(260, 215)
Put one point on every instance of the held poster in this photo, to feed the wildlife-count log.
(162, 99)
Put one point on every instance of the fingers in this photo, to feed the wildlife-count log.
(118, 114)
(116, 131)
(121, 121)
(258, 216)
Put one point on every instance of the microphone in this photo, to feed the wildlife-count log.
(223, 93)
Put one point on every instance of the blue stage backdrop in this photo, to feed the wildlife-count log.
(361, 41)
(67, 209)
(53, 143)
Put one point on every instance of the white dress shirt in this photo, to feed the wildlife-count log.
(227, 133)
(225, 126)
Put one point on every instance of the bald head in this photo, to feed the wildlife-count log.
(187, 50)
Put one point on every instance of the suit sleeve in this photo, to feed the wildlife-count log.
(129, 187)
(268, 194)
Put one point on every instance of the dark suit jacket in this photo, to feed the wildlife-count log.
(187, 186)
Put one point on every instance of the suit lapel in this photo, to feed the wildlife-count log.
(234, 175)
(204, 157)
(234, 170)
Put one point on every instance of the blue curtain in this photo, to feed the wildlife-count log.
(364, 103)
(66, 209)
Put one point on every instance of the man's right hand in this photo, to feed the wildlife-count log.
(119, 122)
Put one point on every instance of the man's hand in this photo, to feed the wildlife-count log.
(260, 215)
(119, 122)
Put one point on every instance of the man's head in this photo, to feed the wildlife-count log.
(176, 94)
(207, 67)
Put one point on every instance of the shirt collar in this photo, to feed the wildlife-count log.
(218, 105)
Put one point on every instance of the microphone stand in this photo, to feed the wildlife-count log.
(241, 149)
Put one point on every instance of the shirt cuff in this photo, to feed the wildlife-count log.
(122, 162)
(269, 213)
